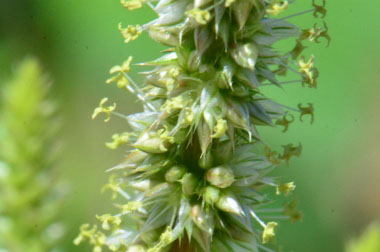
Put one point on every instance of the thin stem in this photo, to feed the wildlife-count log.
(257, 218)
(290, 16)
(124, 194)
(269, 210)
(136, 91)
(118, 114)
(283, 83)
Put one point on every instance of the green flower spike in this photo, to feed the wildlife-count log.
(30, 195)
(199, 171)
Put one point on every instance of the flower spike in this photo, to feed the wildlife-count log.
(198, 172)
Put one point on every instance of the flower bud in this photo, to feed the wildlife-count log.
(221, 176)
(211, 194)
(269, 233)
(228, 203)
(245, 55)
(189, 184)
(162, 36)
(175, 173)
(154, 142)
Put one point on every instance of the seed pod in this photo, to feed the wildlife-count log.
(189, 184)
(220, 176)
(211, 194)
(229, 203)
(175, 173)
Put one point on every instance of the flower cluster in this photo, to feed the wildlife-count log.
(198, 174)
(30, 197)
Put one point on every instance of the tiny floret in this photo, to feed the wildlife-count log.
(269, 234)
(102, 109)
(277, 7)
(121, 71)
(307, 68)
(173, 104)
(132, 4)
(108, 220)
(131, 206)
(200, 16)
(132, 32)
(118, 140)
(220, 128)
(285, 188)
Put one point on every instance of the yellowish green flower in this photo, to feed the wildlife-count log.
(102, 109)
(269, 232)
(132, 4)
(277, 7)
(132, 32)
(200, 16)
(120, 78)
(285, 188)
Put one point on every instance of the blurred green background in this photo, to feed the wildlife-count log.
(338, 175)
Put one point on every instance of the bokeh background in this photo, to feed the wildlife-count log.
(338, 175)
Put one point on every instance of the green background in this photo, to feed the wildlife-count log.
(337, 177)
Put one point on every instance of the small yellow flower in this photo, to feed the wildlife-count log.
(285, 188)
(102, 109)
(188, 118)
(96, 238)
(121, 71)
(172, 105)
(85, 233)
(108, 220)
(277, 7)
(131, 206)
(112, 185)
(220, 128)
(269, 233)
(132, 32)
(290, 209)
(307, 68)
(132, 4)
(118, 140)
(200, 16)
